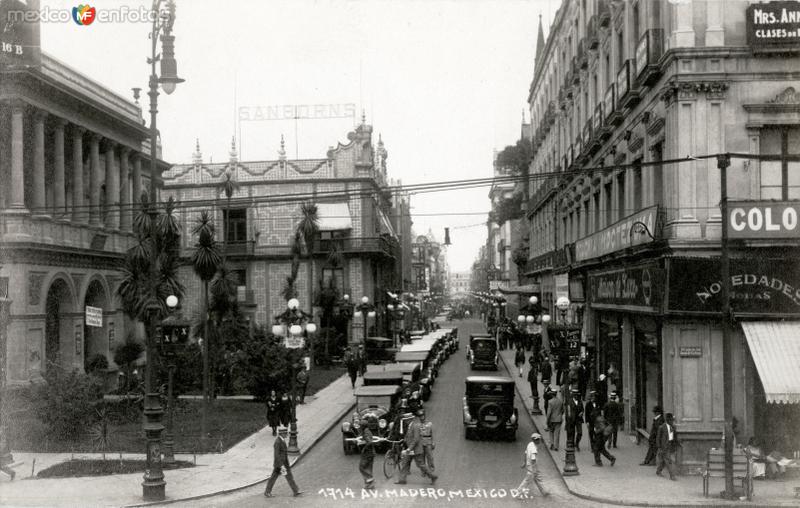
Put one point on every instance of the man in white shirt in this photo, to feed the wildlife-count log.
(531, 470)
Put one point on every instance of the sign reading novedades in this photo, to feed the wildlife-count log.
(773, 25)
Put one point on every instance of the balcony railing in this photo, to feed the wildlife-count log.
(379, 245)
(240, 248)
(648, 54)
(628, 94)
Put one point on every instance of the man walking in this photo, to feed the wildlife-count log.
(577, 408)
(652, 442)
(367, 440)
(590, 412)
(555, 415)
(281, 461)
(414, 451)
(614, 418)
(351, 361)
(426, 431)
(534, 382)
(667, 447)
(599, 443)
(531, 470)
(302, 384)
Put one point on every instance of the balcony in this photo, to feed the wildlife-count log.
(26, 230)
(613, 115)
(648, 55)
(628, 95)
(604, 13)
(358, 245)
(241, 248)
(582, 55)
(575, 70)
(592, 39)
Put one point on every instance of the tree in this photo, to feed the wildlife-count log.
(125, 355)
(229, 186)
(515, 158)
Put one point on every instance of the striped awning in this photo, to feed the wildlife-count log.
(775, 347)
(334, 216)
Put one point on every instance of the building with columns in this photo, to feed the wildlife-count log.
(627, 99)
(72, 154)
(354, 205)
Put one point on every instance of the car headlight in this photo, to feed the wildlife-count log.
(382, 423)
(391, 426)
(513, 419)
(346, 427)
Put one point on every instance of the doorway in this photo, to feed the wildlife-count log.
(59, 304)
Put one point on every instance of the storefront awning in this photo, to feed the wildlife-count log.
(527, 289)
(775, 347)
(385, 225)
(334, 216)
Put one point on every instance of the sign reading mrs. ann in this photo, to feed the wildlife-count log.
(773, 25)
(763, 219)
(296, 111)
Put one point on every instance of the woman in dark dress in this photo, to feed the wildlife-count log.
(273, 411)
(285, 410)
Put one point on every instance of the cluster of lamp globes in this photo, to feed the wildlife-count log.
(295, 329)
(530, 319)
(364, 301)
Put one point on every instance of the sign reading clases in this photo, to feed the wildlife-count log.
(749, 220)
(773, 25)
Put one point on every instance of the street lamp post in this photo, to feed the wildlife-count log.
(528, 320)
(291, 324)
(154, 486)
(367, 310)
(174, 332)
(570, 466)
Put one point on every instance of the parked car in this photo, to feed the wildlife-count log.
(412, 378)
(489, 407)
(379, 400)
(379, 349)
(383, 378)
(482, 352)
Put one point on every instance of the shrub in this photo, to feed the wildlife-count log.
(125, 355)
(66, 402)
(96, 364)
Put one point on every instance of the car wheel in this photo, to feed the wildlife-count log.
(491, 409)
(512, 435)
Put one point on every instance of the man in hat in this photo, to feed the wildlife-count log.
(281, 461)
(367, 440)
(652, 448)
(414, 451)
(590, 412)
(555, 415)
(575, 429)
(531, 470)
(667, 447)
(426, 430)
(614, 418)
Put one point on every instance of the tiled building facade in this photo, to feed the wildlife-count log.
(621, 91)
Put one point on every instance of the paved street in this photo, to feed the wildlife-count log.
(484, 469)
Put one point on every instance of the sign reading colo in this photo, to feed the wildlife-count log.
(750, 220)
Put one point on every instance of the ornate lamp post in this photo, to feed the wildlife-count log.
(175, 332)
(570, 467)
(528, 321)
(367, 310)
(291, 325)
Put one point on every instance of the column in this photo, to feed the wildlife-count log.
(137, 182)
(38, 201)
(683, 35)
(112, 186)
(17, 195)
(94, 179)
(59, 191)
(78, 211)
(715, 34)
(125, 190)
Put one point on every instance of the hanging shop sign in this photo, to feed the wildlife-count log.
(620, 235)
(773, 26)
(763, 219)
(565, 338)
(758, 286)
(634, 287)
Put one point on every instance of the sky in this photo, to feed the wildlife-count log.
(444, 83)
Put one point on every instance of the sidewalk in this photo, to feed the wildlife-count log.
(245, 464)
(628, 483)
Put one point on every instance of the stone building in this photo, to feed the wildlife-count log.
(73, 155)
(627, 99)
(354, 205)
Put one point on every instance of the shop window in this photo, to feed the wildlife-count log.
(778, 141)
(236, 220)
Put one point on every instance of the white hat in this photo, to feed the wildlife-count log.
(602, 377)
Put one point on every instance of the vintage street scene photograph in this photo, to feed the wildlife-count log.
(370, 253)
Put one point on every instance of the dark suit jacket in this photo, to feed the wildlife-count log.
(591, 410)
(547, 370)
(613, 412)
(280, 454)
(662, 438)
(654, 430)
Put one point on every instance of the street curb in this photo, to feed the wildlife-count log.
(317, 437)
(619, 502)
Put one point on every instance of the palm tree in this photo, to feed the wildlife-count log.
(205, 261)
(229, 186)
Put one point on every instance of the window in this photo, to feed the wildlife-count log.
(620, 50)
(609, 201)
(596, 211)
(658, 174)
(333, 277)
(636, 23)
(236, 221)
(586, 218)
(621, 195)
(637, 185)
(777, 174)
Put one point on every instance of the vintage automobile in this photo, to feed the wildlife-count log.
(412, 377)
(379, 349)
(427, 364)
(379, 400)
(489, 407)
(383, 378)
(482, 352)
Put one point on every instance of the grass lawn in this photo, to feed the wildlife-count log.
(82, 467)
(229, 421)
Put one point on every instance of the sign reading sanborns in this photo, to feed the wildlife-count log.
(751, 220)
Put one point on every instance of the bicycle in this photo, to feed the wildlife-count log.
(392, 458)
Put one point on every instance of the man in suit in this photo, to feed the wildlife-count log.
(614, 417)
(590, 412)
(555, 415)
(576, 411)
(414, 450)
(281, 461)
(652, 447)
(667, 442)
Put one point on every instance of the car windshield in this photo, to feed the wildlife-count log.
(483, 345)
(373, 401)
(491, 389)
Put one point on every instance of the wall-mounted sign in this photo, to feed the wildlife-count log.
(638, 286)
(758, 285)
(618, 236)
(293, 342)
(565, 338)
(773, 26)
(112, 335)
(609, 100)
(94, 316)
(623, 80)
(763, 219)
(19, 33)
(690, 351)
